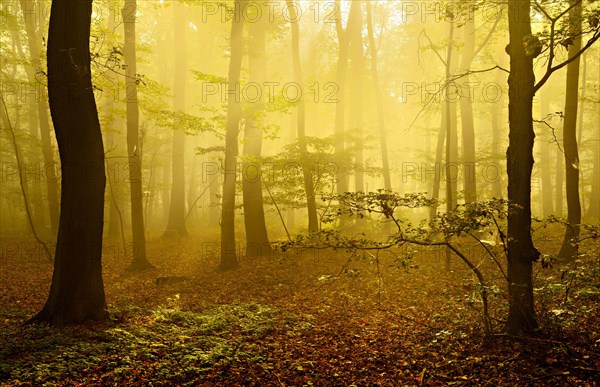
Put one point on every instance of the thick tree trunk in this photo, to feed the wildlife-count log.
(228, 245)
(176, 222)
(521, 252)
(387, 180)
(42, 114)
(313, 220)
(569, 248)
(134, 151)
(77, 290)
(257, 240)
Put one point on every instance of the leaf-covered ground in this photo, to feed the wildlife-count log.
(301, 318)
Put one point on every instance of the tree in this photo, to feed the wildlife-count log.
(228, 253)
(387, 180)
(177, 208)
(521, 252)
(77, 290)
(134, 151)
(523, 47)
(357, 69)
(569, 247)
(257, 240)
(313, 221)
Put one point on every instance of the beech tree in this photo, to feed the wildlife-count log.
(77, 290)
(523, 47)
(257, 240)
(228, 247)
(134, 150)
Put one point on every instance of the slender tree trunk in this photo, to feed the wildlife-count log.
(521, 252)
(257, 240)
(340, 107)
(387, 180)
(594, 206)
(560, 185)
(357, 70)
(176, 222)
(134, 151)
(313, 220)
(439, 151)
(451, 145)
(547, 207)
(466, 113)
(228, 245)
(77, 290)
(193, 187)
(569, 248)
(497, 154)
(214, 214)
(42, 114)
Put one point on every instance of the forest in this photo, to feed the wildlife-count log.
(300, 192)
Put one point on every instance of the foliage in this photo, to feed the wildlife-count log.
(166, 343)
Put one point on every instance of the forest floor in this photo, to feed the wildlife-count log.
(299, 318)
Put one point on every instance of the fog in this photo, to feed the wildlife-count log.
(230, 134)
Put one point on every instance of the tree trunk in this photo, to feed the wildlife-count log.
(547, 207)
(214, 213)
(257, 240)
(569, 248)
(521, 252)
(497, 113)
(340, 106)
(77, 290)
(42, 113)
(387, 180)
(560, 185)
(134, 151)
(176, 222)
(466, 113)
(228, 245)
(313, 220)
(594, 206)
(357, 69)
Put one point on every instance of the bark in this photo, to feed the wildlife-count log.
(42, 114)
(569, 248)
(257, 240)
(521, 252)
(311, 206)
(387, 180)
(77, 290)
(176, 222)
(134, 151)
(228, 245)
